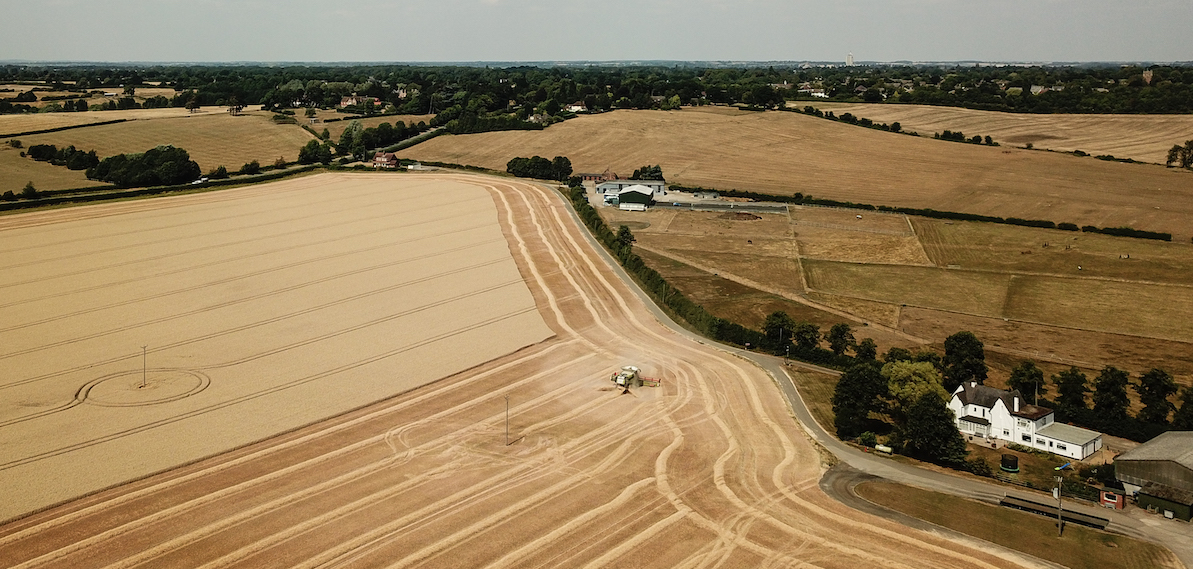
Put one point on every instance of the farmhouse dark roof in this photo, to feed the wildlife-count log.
(1176, 446)
(1165, 492)
(1031, 412)
(971, 393)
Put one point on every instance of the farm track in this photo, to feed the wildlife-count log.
(708, 470)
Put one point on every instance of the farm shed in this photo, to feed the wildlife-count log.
(1160, 471)
(1171, 502)
(634, 198)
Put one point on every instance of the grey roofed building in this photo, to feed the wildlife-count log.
(1166, 459)
(1069, 434)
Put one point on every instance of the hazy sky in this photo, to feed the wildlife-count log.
(546, 30)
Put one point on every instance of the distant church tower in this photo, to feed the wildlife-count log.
(849, 60)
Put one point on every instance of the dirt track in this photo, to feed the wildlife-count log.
(708, 470)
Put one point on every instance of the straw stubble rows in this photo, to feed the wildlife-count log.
(707, 470)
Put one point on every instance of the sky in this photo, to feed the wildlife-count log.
(595, 30)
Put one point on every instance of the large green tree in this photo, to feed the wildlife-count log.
(1028, 379)
(964, 360)
(1071, 389)
(806, 335)
(1182, 420)
(1110, 397)
(1154, 388)
(907, 383)
(859, 392)
(866, 350)
(931, 433)
(779, 328)
(840, 338)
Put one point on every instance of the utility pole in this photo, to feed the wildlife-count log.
(507, 420)
(1060, 523)
(144, 365)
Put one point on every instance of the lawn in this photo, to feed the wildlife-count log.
(1079, 548)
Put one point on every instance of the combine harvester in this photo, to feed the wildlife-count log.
(631, 376)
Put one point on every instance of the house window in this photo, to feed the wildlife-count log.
(1060, 447)
(1049, 443)
(1027, 438)
(1040, 442)
(1006, 432)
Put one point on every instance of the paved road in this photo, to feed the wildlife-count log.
(1176, 535)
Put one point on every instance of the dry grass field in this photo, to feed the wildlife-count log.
(16, 171)
(781, 152)
(709, 469)
(1142, 137)
(212, 140)
(924, 279)
(262, 309)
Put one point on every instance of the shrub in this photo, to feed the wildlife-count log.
(218, 174)
(279, 163)
(867, 439)
(29, 192)
(1066, 226)
(980, 467)
(15, 143)
(253, 167)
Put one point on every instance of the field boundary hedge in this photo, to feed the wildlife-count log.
(62, 128)
(138, 192)
(801, 199)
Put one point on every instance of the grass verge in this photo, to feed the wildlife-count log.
(1034, 535)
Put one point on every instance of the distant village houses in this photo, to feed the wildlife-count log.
(385, 160)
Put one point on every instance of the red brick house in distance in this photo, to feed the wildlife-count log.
(387, 160)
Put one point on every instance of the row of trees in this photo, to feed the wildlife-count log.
(356, 140)
(426, 90)
(69, 156)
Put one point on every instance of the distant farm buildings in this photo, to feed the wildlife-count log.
(385, 160)
(657, 187)
(1160, 474)
(988, 415)
(632, 198)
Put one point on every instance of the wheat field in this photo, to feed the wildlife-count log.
(1142, 137)
(785, 153)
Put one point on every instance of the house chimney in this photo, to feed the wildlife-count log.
(973, 384)
(1016, 403)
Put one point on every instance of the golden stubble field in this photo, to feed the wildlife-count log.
(212, 139)
(707, 469)
(782, 152)
(1143, 137)
(12, 124)
(262, 310)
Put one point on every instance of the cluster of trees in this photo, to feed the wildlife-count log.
(649, 173)
(161, 166)
(960, 137)
(69, 156)
(1181, 156)
(559, 168)
(1110, 412)
(356, 140)
(315, 151)
(851, 119)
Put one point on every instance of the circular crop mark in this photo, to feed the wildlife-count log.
(136, 388)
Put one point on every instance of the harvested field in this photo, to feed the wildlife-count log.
(1154, 311)
(212, 140)
(1142, 137)
(709, 468)
(785, 153)
(263, 310)
(10, 124)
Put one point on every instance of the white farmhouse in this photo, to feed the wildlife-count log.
(992, 415)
